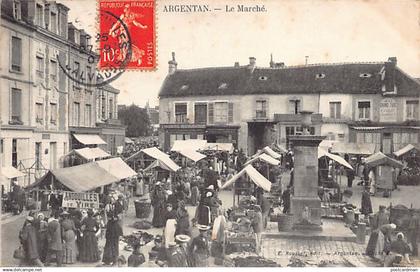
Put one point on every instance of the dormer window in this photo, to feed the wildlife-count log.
(184, 87)
(264, 78)
(16, 9)
(318, 76)
(39, 15)
(223, 86)
(365, 75)
(53, 21)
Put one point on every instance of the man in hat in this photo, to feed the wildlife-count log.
(199, 248)
(28, 238)
(160, 251)
(177, 253)
(380, 218)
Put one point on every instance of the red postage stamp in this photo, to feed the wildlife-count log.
(127, 34)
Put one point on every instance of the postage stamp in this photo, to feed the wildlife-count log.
(134, 32)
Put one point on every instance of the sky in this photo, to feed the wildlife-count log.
(327, 31)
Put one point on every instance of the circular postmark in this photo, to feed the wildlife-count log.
(110, 57)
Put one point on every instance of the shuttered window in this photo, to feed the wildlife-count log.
(211, 113)
(230, 113)
(335, 110)
(221, 112)
(16, 105)
(16, 54)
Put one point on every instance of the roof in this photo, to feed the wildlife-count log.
(381, 159)
(254, 175)
(317, 78)
(322, 152)
(271, 152)
(89, 139)
(264, 157)
(192, 144)
(80, 178)
(91, 153)
(155, 153)
(10, 172)
(111, 89)
(117, 167)
(405, 150)
(192, 154)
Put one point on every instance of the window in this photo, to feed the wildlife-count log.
(16, 54)
(294, 106)
(200, 113)
(39, 66)
(38, 153)
(181, 112)
(16, 106)
(53, 21)
(261, 109)
(14, 153)
(364, 109)
(221, 112)
(319, 76)
(103, 110)
(335, 110)
(89, 74)
(1, 152)
(412, 111)
(16, 9)
(39, 113)
(76, 114)
(53, 70)
(53, 118)
(39, 15)
(88, 115)
(111, 108)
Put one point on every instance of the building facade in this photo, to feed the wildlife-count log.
(252, 107)
(40, 105)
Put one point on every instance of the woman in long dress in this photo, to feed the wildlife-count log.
(69, 238)
(372, 182)
(112, 236)
(158, 203)
(89, 251)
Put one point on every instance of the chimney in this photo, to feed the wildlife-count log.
(252, 61)
(236, 65)
(172, 64)
(272, 64)
(389, 78)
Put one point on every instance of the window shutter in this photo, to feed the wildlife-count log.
(338, 111)
(211, 113)
(332, 110)
(230, 112)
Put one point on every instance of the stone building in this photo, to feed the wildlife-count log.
(252, 107)
(39, 103)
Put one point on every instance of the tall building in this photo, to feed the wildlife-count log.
(41, 107)
(250, 106)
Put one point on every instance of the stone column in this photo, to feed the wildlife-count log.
(305, 203)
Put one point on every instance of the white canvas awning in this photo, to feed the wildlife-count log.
(163, 157)
(264, 157)
(89, 139)
(192, 155)
(10, 172)
(254, 175)
(281, 148)
(271, 152)
(128, 140)
(92, 153)
(404, 150)
(192, 144)
(117, 167)
(322, 152)
(353, 148)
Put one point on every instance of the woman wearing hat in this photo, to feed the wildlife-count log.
(112, 236)
(42, 227)
(199, 248)
(182, 219)
(170, 226)
(178, 254)
(29, 242)
(69, 238)
(89, 251)
(158, 203)
(398, 249)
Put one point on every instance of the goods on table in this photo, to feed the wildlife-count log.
(240, 242)
(143, 224)
(137, 238)
(296, 262)
(254, 261)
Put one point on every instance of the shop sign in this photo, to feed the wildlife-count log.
(388, 110)
(80, 200)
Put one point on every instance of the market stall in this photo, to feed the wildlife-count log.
(410, 157)
(84, 155)
(384, 168)
(7, 176)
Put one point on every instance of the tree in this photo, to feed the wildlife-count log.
(136, 119)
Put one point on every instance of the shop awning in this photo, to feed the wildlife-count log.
(91, 153)
(192, 144)
(225, 147)
(382, 159)
(254, 175)
(264, 157)
(281, 148)
(353, 148)
(192, 155)
(128, 140)
(117, 167)
(367, 128)
(10, 172)
(89, 139)
(405, 150)
(80, 178)
(322, 152)
(271, 152)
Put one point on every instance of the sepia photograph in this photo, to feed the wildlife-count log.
(222, 133)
